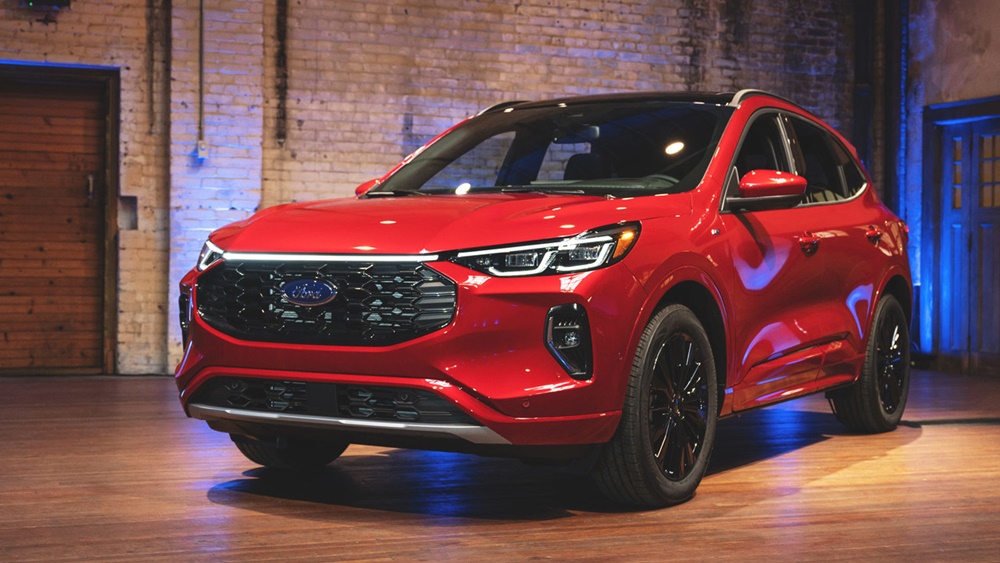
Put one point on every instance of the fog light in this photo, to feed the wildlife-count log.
(571, 340)
(567, 337)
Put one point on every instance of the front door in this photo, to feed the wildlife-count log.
(969, 272)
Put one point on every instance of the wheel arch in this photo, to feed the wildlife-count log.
(900, 288)
(702, 302)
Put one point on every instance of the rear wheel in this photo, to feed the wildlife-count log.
(875, 402)
(290, 455)
(663, 443)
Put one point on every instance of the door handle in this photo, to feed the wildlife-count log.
(873, 234)
(808, 242)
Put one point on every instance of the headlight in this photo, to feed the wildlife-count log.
(210, 254)
(586, 251)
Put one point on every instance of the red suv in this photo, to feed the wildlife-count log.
(596, 279)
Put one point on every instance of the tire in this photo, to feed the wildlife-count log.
(289, 455)
(876, 401)
(661, 449)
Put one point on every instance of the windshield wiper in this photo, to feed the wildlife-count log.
(541, 190)
(388, 193)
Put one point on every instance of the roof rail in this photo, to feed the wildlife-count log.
(501, 105)
(738, 97)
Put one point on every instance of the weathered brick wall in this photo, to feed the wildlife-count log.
(114, 34)
(224, 186)
(369, 81)
(374, 79)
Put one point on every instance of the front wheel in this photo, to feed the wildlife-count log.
(875, 402)
(661, 449)
(289, 455)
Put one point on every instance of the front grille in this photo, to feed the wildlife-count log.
(376, 304)
(331, 400)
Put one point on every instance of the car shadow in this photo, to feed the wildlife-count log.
(768, 433)
(466, 486)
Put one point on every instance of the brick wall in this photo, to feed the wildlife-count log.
(225, 185)
(369, 81)
(364, 94)
(114, 34)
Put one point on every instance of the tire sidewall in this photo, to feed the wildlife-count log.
(670, 320)
(888, 305)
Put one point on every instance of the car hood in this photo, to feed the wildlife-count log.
(434, 223)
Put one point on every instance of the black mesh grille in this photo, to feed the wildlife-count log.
(331, 400)
(377, 304)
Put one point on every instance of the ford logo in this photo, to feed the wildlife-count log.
(308, 293)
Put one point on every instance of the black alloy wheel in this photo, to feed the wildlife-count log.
(664, 440)
(890, 360)
(875, 402)
(678, 406)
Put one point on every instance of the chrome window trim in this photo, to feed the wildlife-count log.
(854, 160)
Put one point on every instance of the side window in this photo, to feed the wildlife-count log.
(831, 172)
(854, 178)
(762, 147)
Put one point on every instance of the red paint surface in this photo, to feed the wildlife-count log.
(796, 289)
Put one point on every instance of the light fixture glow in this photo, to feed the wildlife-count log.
(674, 148)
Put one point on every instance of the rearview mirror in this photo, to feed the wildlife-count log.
(768, 189)
(363, 188)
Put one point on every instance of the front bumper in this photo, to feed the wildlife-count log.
(471, 433)
(491, 363)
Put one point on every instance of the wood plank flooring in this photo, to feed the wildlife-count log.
(109, 469)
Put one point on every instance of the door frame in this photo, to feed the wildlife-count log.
(936, 118)
(109, 80)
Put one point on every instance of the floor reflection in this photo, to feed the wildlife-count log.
(457, 485)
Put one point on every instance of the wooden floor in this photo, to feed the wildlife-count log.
(109, 469)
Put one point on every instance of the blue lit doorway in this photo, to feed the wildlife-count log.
(966, 233)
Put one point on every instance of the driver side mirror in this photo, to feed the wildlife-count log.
(363, 188)
(761, 190)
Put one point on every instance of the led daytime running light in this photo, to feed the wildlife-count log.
(587, 251)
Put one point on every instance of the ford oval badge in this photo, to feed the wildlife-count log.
(308, 293)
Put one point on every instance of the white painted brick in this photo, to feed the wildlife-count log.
(357, 75)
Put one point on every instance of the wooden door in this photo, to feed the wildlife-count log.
(53, 147)
(969, 282)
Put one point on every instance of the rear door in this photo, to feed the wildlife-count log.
(851, 229)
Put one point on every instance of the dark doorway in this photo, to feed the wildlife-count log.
(967, 265)
(57, 165)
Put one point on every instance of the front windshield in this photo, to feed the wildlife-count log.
(619, 148)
